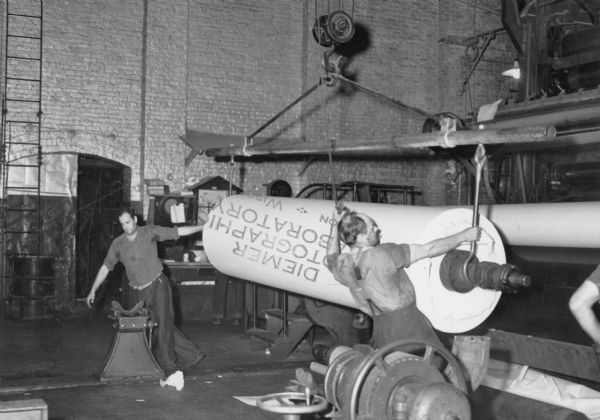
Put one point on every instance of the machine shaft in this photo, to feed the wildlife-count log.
(484, 274)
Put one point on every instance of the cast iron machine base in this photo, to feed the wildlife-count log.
(130, 355)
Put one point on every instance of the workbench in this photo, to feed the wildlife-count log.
(193, 287)
(190, 273)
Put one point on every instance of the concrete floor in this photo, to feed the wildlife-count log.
(59, 361)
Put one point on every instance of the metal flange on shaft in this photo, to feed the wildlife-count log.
(484, 274)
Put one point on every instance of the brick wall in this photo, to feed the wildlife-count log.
(91, 80)
(124, 79)
(404, 61)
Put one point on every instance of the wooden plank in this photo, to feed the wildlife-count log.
(554, 356)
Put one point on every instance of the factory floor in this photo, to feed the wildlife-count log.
(59, 361)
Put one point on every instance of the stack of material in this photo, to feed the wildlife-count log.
(156, 186)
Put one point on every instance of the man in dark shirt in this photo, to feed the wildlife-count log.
(375, 275)
(136, 250)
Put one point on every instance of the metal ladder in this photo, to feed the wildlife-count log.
(20, 142)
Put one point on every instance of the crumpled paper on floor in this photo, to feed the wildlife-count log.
(175, 380)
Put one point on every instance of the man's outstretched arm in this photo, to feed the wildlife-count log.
(189, 230)
(442, 245)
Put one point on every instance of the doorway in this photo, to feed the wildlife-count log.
(101, 192)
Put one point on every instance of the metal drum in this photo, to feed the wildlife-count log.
(32, 287)
(33, 276)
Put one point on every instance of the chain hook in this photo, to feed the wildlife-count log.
(231, 168)
(244, 152)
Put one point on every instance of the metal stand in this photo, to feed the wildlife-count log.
(130, 355)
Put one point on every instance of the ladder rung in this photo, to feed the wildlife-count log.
(24, 15)
(16, 57)
(22, 100)
(22, 122)
(22, 143)
(23, 79)
(21, 188)
(20, 231)
(24, 36)
(21, 165)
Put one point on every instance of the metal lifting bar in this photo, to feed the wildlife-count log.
(479, 160)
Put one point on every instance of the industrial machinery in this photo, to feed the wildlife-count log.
(334, 26)
(557, 44)
(455, 276)
(130, 354)
(405, 380)
(408, 379)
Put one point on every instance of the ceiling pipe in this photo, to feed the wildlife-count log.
(396, 145)
(575, 110)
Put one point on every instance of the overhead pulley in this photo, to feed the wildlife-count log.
(334, 28)
(320, 33)
(339, 27)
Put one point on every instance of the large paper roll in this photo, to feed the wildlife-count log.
(569, 225)
(281, 243)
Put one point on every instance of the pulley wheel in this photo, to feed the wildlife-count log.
(320, 33)
(377, 358)
(339, 27)
(291, 403)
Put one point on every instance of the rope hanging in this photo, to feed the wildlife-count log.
(231, 168)
(331, 171)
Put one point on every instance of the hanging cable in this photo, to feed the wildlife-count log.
(382, 95)
(231, 168)
(331, 171)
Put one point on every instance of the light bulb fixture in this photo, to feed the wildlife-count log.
(514, 72)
